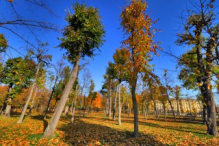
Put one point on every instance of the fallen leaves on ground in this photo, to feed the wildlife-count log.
(29, 132)
(97, 129)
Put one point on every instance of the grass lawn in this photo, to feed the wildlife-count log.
(97, 129)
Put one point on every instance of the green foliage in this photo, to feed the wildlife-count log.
(121, 59)
(111, 71)
(92, 95)
(62, 82)
(84, 32)
(18, 74)
(3, 43)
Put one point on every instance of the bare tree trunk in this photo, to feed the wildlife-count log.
(145, 114)
(178, 112)
(114, 107)
(119, 115)
(55, 118)
(107, 107)
(74, 106)
(8, 108)
(155, 107)
(84, 106)
(204, 115)
(73, 113)
(144, 110)
(110, 100)
(33, 101)
(30, 95)
(172, 109)
(165, 113)
(50, 98)
(211, 112)
(66, 110)
(135, 107)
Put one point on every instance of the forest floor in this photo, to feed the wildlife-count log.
(97, 129)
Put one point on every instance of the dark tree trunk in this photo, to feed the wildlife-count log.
(204, 114)
(211, 112)
(135, 107)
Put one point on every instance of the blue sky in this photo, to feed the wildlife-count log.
(167, 11)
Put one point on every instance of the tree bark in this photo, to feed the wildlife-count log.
(66, 110)
(172, 109)
(110, 100)
(114, 107)
(144, 110)
(211, 112)
(33, 101)
(30, 95)
(165, 113)
(84, 106)
(55, 118)
(155, 106)
(50, 97)
(119, 115)
(74, 106)
(204, 115)
(135, 107)
(178, 112)
(8, 108)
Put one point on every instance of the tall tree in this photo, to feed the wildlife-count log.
(83, 34)
(201, 32)
(121, 59)
(86, 80)
(110, 75)
(137, 28)
(58, 70)
(41, 58)
(17, 74)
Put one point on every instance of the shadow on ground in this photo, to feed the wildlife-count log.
(81, 133)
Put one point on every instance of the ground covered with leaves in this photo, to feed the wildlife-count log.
(97, 129)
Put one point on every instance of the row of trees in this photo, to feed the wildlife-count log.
(84, 34)
(199, 66)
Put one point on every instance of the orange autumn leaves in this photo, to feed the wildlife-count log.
(27, 133)
(137, 26)
(97, 103)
